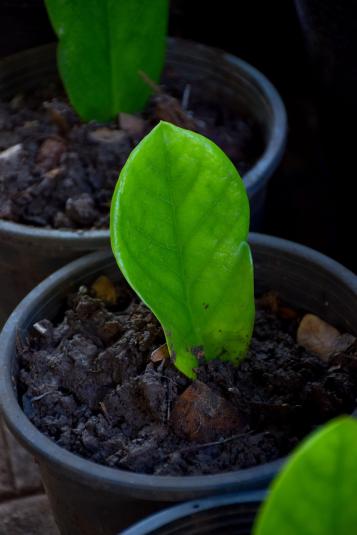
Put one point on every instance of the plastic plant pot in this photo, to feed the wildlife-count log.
(29, 254)
(91, 499)
(230, 514)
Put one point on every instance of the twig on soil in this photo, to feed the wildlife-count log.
(104, 410)
(168, 409)
(20, 346)
(186, 97)
(37, 398)
(150, 83)
(40, 328)
(216, 443)
(168, 108)
(162, 376)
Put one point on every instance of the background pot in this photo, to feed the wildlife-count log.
(88, 498)
(233, 514)
(28, 254)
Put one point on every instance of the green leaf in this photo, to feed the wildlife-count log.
(179, 224)
(315, 494)
(102, 46)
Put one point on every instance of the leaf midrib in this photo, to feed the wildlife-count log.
(181, 267)
(109, 41)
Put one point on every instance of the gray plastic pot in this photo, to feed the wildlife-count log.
(90, 499)
(29, 254)
(233, 514)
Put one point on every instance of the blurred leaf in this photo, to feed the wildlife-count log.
(102, 46)
(315, 494)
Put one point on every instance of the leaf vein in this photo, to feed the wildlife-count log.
(153, 241)
(203, 216)
(153, 279)
(155, 196)
(219, 242)
(181, 265)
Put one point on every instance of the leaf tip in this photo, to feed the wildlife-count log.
(166, 127)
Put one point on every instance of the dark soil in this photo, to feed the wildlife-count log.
(63, 172)
(89, 383)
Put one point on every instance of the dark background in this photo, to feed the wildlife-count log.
(311, 196)
(311, 61)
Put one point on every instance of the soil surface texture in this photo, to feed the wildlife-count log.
(95, 382)
(58, 172)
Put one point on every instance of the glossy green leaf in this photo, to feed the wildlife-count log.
(102, 46)
(315, 494)
(179, 224)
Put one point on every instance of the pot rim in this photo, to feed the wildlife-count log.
(100, 476)
(171, 514)
(255, 179)
(275, 147)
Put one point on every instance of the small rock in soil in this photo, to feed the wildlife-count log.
(321, 338)
(50, 153)
(271, 301)
(81, 210)
(104, 289)
(201, 415)
(169, 109)
(108, 136)
(132, 124)
(160, 354)
(11, 155)
(61, 114)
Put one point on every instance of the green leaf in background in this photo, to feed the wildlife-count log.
(316, 492)
(179, 224)
(102, 46)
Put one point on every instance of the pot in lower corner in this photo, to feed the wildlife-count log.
(91, 499)
(29, 254)
(228, 514)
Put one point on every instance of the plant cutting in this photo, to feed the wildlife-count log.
(181, 203)
(103, 406)
(314, 494)
(58, 171)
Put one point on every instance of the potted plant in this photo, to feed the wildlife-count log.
(57, 171)
(120, 427)
(298, 501)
